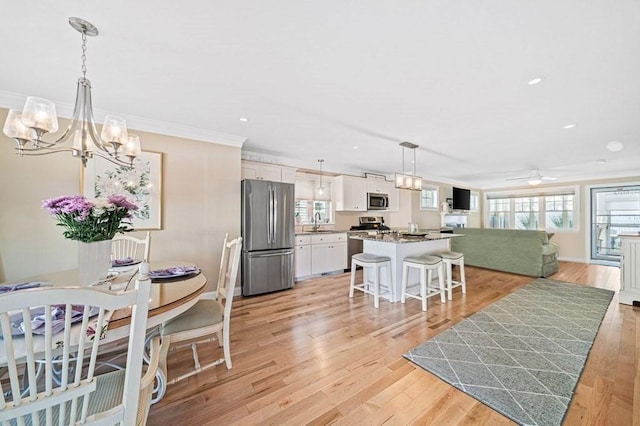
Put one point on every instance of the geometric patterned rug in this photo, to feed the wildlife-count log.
(522, 355)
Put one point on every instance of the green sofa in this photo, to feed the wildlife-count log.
(510, 250)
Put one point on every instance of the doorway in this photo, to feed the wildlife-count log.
(615, 210)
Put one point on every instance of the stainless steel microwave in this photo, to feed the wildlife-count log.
(377, 201)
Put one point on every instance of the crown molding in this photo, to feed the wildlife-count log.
(16, 101)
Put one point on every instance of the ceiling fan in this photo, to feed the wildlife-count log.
(534, 178)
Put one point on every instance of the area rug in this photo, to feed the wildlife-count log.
(522, 355)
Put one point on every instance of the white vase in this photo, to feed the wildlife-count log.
(94, 261)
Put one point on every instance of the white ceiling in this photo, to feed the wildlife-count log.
(317, 78)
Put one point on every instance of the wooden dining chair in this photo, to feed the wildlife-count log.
(209, 318)
(124, 245)
(77, 395)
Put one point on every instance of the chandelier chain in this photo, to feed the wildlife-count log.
(84, 55)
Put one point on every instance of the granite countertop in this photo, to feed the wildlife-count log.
(404, 238)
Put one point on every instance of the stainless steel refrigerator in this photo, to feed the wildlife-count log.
(268, 236)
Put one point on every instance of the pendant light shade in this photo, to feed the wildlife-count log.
(320, 188)
(405, 180)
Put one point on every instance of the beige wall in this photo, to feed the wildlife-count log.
(200, 203)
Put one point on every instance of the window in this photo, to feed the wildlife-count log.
(559, 211)
(499, 213)
(526, 212)
(473, 201)
(554, 209)
(309, 212)
(429, 198)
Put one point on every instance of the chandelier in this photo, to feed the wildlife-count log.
(38, 118)
(404, 180)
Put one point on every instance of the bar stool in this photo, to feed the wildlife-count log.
(450, 258)
(426, 264)
(368, 262)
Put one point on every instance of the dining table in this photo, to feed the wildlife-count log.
(169, 296)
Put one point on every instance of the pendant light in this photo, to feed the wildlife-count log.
(404, 180)
(320, 188)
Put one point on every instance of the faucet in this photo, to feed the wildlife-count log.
(316, 219)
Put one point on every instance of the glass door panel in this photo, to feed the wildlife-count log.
(614, 211)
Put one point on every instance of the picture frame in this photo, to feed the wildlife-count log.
(142, 185)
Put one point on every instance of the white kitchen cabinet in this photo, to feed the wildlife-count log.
(394, 197)
(377, 185)
(303, 261)
(630, 269)
(288, 175)
(271, 172)
(350, 193)
(320, 253)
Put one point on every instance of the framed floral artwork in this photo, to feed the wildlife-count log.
(142, 185)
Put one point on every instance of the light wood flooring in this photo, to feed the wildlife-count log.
(311, 355)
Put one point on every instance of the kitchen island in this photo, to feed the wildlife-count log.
(399, 246)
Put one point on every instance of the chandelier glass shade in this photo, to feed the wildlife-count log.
(38, 117)
(408, 181)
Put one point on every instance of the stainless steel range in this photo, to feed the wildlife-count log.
(367, 225)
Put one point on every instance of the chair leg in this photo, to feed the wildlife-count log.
(441, 282)
(392, 288)
(463, 281)
(219, 336)
(376, 286)
(405, 273)
(353, 278)
(425, 277)
(226, 347)
(448, 274)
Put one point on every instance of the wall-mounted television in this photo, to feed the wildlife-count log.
(461, 199)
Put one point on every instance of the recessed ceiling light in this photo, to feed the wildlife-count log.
(244, 119)
(569, 126)
(356, 147)
(535, 81)
(615, 146)
(601, 162)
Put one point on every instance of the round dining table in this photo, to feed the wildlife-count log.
(168, 298)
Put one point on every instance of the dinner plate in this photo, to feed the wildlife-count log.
(173, 272)
(16, 319)
(127, 261)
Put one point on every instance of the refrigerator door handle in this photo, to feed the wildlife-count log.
(270, 221)
(281, 253)
(275, 214)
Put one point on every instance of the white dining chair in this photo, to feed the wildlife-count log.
(78, 395)
(208, 319)
(124, 245)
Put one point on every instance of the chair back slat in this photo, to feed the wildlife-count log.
(62, 395)
(123, 245)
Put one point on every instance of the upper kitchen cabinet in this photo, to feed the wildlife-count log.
(350, 193)
(394, 197)
(377, 184)
(271, 172)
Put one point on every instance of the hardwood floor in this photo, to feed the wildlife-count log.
(311, 355)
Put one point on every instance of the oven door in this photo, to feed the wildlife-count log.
(377, 201)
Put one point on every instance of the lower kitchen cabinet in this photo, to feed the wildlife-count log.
(320, 253)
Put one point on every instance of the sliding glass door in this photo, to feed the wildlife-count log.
(614, 211)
